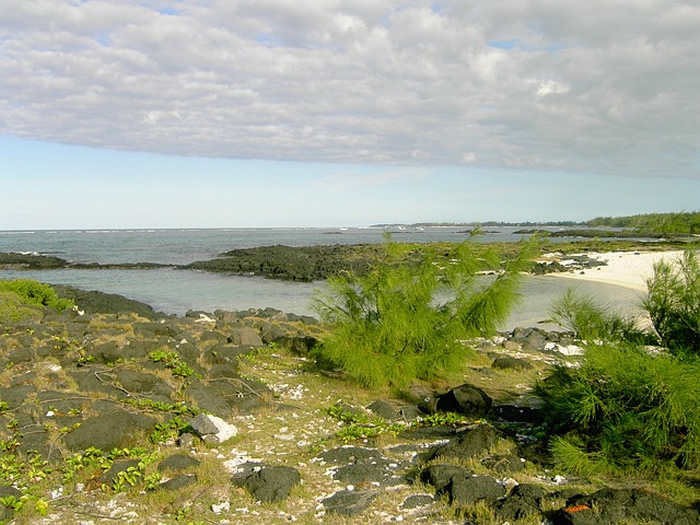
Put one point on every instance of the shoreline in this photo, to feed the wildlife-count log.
(625, 269)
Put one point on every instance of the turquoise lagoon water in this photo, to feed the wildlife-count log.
(176, 291)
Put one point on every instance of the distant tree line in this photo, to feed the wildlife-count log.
(681, 222)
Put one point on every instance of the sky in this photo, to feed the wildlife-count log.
(225, 113)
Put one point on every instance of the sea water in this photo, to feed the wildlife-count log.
(176, 291)
(183, 246)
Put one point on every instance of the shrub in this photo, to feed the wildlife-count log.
(33, 292)
(12, 309)
(624, 408)
(593, 321)
(673, 303)
(388, 327)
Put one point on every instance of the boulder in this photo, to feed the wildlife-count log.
(465, 399)
(178, 482)
(360, 465)
(245, 336)
(208, 398)
(383, 409)
(144, 383)
(95, 379)
(15, 396)
(115, 429)
(6, 513)
(615, 505)
(522, 502)
(417, 501)
(460, 485)
(471, 443)
(241, 395)
(505, 463)
(151, 329)
(268, 484)
(226, 353)
(440, 476)
(349, 502)
(467, 490)
(511, 363)
(224, 370)
(117, 467)
(213, 429)
(530, 338)
(178, 462)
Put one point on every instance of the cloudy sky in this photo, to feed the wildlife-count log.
(160, 113)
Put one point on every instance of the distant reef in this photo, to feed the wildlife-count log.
(471, 224)
(305, 264)
(315, 263)
(28, 261)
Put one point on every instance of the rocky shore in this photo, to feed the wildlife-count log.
(114, 412)
(29, 261)
(303, 264)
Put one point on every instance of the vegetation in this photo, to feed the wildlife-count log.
(172, 361)
(626, 408)
(682, 222)
(673, 303)
(21, 299)
(386, 327)
(592, 321)
(33, 292)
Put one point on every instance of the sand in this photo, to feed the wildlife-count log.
(627, 269)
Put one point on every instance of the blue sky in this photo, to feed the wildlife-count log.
(177, 113)
(49, 186)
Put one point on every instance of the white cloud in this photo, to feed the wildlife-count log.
(380, 81)
(349, 181)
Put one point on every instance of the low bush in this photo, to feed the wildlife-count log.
(592, 321)
(388, 327)
(673, 303)
(624, 408)
(33, 292)
(13, 309)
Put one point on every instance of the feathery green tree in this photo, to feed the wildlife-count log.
(626, 408)
(673, 303)
(407, 317)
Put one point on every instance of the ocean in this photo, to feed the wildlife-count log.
(176, 291)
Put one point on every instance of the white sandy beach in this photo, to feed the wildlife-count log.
(628, 269)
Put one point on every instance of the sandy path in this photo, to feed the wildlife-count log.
(628, 269)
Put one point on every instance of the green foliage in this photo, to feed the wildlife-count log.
(361, 426)
(451, 419)
(683, 222)
(12, 503)
(91, 457)
(171, 429)
(172, 361)
(152, 480)
(94, 458)
(593, 321)
(626, 409)
(387, 326)
(13, 309)
(33, 292)
(673, 303)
